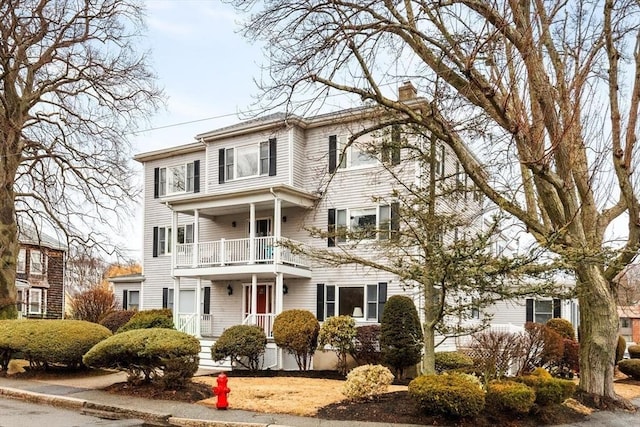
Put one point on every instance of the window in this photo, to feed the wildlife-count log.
(22, 261)
(37, 299)
(161, 241)
(185, 233)
(183, 178)
(363, 302)
(133, 300)
(625, 322)
(543, 311)
(363, 223)
(35, 262)
(248, 161)
(20, 302)
(440, 161)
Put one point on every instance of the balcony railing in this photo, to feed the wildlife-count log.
(237, 251)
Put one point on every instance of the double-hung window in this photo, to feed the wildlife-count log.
(362, 302)
(21, 267)
(363, 223)
(130, 299)
(162, 240)
(541, 310)
(37, 300)
(248, 161)
(185, 233)
(181, 178)
(36, 264)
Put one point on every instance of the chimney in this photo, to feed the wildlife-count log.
(407, 91)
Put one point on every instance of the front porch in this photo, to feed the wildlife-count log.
(186, 322)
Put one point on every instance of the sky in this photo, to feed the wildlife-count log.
(206, 69)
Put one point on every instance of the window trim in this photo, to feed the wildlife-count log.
(129, 292)
(163, 179)
(347, 215)
(371, 304)
(265, 153)
(21, 262)
(38, 254)
(32, 300)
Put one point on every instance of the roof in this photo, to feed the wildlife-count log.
(127, 278)
(28, 235)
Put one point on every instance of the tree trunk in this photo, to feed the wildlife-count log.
(9, 247)
(598, 333)
(429, 357)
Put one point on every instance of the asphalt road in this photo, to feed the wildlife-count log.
(17, 413)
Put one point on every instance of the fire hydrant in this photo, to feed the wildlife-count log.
(221, 391)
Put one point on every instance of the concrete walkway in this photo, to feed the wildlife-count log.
(84, 394)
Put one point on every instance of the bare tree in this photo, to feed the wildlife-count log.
(73, 87)
(550, 89)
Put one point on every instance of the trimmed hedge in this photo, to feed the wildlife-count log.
(630, 367)
(296, 332)
(117, 319)
(510, 396)
(563, 327)
(49, 342)
(244, 344)
(159, 318)
(549, 390)
(367, 381)
(634, 351)
(159, 355)
(454, 394)
(620, 348)
(452, 360)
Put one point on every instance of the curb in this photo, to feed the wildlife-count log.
(31, 396)
(188, 422)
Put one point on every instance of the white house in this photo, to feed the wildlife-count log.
(217, 210)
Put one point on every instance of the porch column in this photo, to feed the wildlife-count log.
(277, 232)
(196, 238)
(176, 302)
(198, 305)
(254, 295)
(279, 300)
(252, 233)
(174, 232)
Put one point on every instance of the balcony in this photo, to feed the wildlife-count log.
(230, 252)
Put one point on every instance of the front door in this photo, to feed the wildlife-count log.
(263, 298)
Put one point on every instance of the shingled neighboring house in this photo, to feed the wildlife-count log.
(40, 275)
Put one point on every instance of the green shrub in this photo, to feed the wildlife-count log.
(50, 342)
(159, 318)
(620, 348)
(244, 344)
(562, 327)
(367, 381)
(630, 367)
(296, 332)
(116, 319)
(549, 391)
(161, 355)
(400, 334)
(452, 360)
(339, 333)
(454, 394)
(366, 345)
(634, 351)
(509, 396)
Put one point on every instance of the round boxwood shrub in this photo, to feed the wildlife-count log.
(51, 342)
(244, 344)
(630, 367)
(562, 327)
(116, 319)
(620, 348)
(367, 381)
(158, 318)
(509, 396)
(296, 332)
(452, 360)
(549, 390)
(161, 355)
(451, 394)
(634, 351)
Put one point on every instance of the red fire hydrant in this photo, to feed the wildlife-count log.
(221, 390)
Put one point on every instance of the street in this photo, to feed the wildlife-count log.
(16, 413)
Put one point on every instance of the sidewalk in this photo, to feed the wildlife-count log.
(84, 395)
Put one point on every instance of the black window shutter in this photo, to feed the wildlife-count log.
(331, 228)
(156, 182)
(557, 308)
(207, 300)
(125, 303)
(395, 220)
(196, 176)
(320, 302)
(333, 153)
(221, 166)
(155, 242)
(272, 157)
(165, 297)
(382, 298)
(529, 310)
(395, 149)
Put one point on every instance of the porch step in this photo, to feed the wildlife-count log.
(205, 357)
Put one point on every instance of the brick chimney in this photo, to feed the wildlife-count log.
(407, 91)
